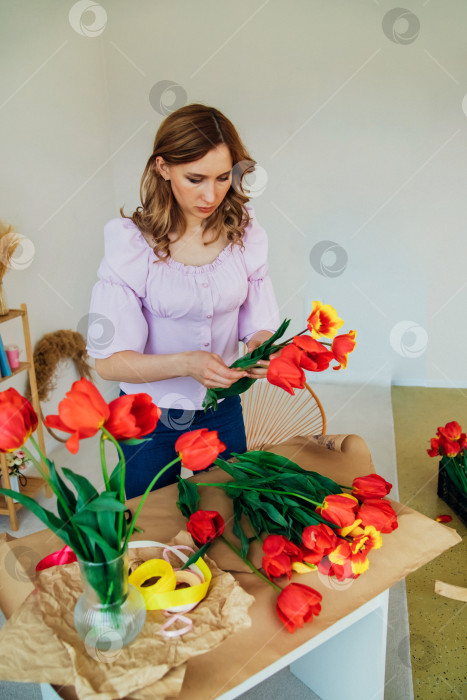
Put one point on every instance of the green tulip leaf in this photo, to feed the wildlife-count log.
(85, 490)
(49, 519)
(108, 551)
(134, 441)
(188, 497)
(106, 501)
(66, 493)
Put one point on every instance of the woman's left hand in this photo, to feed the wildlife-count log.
(255, 341)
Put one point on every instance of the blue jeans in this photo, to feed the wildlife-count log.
(145, 460)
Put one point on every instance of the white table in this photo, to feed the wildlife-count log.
(345, 662)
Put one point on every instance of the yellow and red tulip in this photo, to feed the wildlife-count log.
(341, 346)
(323, 320)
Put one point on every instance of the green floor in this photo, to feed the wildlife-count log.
(437, 625)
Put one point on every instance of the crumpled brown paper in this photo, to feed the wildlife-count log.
(150, 667)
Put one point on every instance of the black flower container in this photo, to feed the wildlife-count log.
(451, 495)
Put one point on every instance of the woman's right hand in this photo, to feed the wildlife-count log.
(210, 370)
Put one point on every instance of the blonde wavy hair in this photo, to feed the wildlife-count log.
(183, 137)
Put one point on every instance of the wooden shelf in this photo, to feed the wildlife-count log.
(21, 368)
(13, 313)
(34, 483)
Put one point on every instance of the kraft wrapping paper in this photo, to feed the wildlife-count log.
(417, 541)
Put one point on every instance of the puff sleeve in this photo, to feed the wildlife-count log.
(259, 311)
(116, 321)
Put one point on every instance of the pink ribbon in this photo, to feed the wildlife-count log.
(64, 556)
(174, 618)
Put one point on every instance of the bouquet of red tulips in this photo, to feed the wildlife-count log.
(308, 521)
(450, 444)
(293, 356)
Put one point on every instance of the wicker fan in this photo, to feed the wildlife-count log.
(272, 415)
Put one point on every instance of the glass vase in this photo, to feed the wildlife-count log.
(111, 612)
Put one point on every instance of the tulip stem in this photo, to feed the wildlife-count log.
(249, 564)
(122, 479)
(43, 457)
(105, 473)
(350, 488)
(143, 498)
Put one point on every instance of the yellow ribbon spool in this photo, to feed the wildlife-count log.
(162, 595)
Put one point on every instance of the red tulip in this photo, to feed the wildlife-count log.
(434, 451)
(205, 525)
(318, 540)
(276, 566)
(199, 448)
(371, 486)
(279, 556)
(315, 356)
(339, 508)
(450, 448)
(132, 416)
(379, 513)
(341, 346)
(297, 604)
(449, 441)
(82, 413)
(18, 420)
(451, 431)
(285, 371)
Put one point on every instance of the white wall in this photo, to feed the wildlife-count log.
(363, 140)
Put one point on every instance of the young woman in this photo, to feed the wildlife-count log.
(183, 279)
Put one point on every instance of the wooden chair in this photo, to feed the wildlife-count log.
(272, 415)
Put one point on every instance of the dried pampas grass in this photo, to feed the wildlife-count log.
(9, 241)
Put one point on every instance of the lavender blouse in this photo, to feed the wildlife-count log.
(168, 307)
